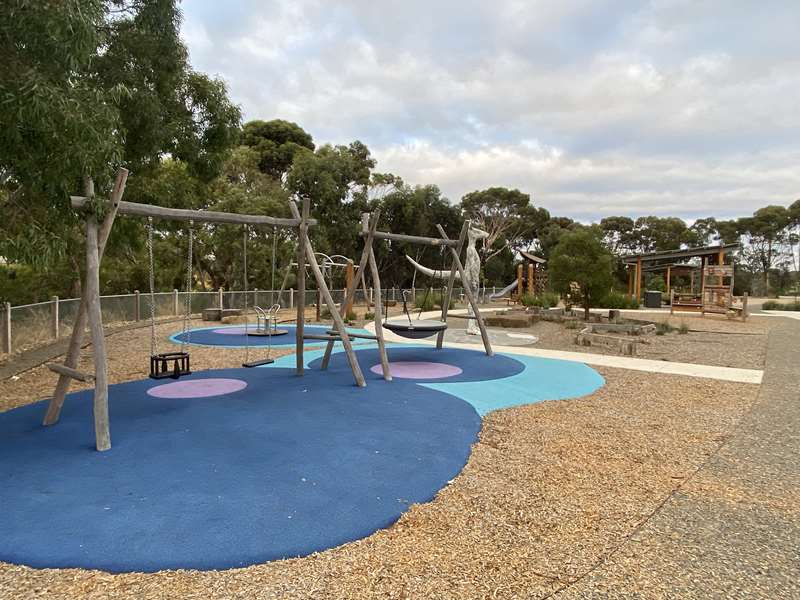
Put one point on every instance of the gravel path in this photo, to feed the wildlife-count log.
(710, 341)
(733, 529)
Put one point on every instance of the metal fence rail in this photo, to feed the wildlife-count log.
(29, 325)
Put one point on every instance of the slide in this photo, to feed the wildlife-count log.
(506, 290)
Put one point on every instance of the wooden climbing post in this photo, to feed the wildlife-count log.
(530, 279)
(519, 282)
(669, 273)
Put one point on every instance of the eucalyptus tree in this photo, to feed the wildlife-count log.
(89, 86)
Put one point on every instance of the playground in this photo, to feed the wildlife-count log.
(392, 455)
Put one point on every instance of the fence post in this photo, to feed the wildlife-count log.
(54, 316)
(255, 296)
(291, 297)
(137, 310)
(219, 300)
(370, 296)
(5, 342)
(175, 302)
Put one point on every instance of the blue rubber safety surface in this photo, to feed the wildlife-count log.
(282, 468)
(285, 467)
(475, 366)
(206, 336)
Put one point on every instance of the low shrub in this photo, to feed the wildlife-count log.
(775, 305)
(543, 300)
(683, 328)
(368, 316)
(431, 301)
(572, 324)
(618, 301)
(664, 328)
(350, 316)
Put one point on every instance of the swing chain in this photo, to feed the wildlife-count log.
(244, 276)
(152, 284)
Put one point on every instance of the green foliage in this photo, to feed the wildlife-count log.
(655, 282)
(572, 324)
(581, 266)
(350, 316)
(615, 300)
(543, 300)
(774, 305)
(507, 216)
(413, 209)
(88, 86)
(369, 316)
(276, 142)
(431, 301)
(663, 328)
(683, 328)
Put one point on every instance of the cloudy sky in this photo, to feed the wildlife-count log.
(594, 107)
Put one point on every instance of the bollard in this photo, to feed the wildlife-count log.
(291, 297)
(175, 309)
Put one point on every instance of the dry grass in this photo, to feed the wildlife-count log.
(549, 490)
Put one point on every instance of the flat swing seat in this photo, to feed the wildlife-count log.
(268, 332)
(415, 330)
(258, 363)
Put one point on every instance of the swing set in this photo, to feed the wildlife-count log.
(176, 364)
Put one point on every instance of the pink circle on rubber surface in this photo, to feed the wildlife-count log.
(418, 369)
(197, 388)
(234, 330)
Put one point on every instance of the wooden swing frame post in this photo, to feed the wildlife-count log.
(455, 247)
(462, 237)
(470, 296)
(76, 339)
(339, 326)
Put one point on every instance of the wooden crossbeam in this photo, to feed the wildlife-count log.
(411, 239)
(71, 373)
(198, 216)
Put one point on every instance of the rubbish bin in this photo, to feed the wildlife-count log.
(652, 299)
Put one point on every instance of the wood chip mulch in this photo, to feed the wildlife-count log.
(549, 491)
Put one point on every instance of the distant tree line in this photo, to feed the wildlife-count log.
(91, 85)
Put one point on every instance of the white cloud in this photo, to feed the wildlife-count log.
(593, 107)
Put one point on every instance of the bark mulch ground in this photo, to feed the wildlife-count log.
(549, 492)
(710, 341)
